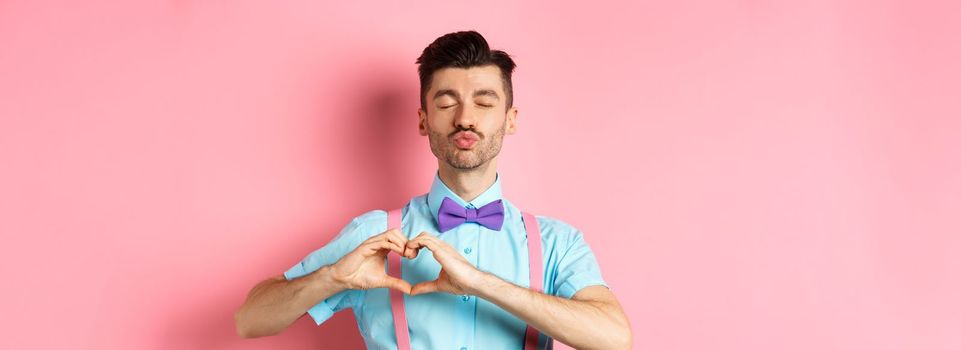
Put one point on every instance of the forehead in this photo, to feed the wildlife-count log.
(468, 79)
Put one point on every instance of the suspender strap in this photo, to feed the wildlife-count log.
(537, 273)
(396, 297)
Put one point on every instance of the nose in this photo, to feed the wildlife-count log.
(465, 118)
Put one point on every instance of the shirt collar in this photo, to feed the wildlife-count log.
(439, 190)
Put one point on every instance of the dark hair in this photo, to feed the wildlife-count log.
(464, 49)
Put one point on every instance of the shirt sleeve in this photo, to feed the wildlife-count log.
(346, 241)
(577, 268)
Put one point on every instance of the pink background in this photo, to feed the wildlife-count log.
(750, 174)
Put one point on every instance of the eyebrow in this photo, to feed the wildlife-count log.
(454, 94)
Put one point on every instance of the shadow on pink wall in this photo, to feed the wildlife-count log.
(376, 147)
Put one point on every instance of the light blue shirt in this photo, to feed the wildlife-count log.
(442, 320)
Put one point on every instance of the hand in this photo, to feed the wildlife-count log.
(363, 268)
(457, 275)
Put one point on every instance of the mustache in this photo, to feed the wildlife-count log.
(459, 129)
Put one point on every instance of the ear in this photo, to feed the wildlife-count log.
(422, 122)
(512, 120)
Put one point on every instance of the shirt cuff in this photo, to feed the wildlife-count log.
(321, 312)
(295, 272)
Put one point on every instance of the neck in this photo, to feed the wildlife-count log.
(469, 183)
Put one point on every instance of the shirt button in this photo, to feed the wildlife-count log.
(467, 250)
(463, 348)
(465, 297)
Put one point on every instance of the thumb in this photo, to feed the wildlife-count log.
(424, 287)
(396, 283)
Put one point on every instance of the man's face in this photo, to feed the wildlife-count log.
(466, 117)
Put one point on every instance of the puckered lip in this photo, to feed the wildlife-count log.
(467, 135)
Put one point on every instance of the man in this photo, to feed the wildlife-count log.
(467, 290)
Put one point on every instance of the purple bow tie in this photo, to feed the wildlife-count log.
(452, 214)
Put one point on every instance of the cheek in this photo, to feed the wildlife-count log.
(441, 122)
(432, 126)
(494, 121)
(436, 133)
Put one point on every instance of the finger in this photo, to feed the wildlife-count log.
(418, 243)
(425, 287)
(429, 237)
(431, 242)
(382, 236)
(397, 233)
(442, 252)
(398, 236)
(439, 254)
(423, 236)
(398, 284)
(412, 249)
(374, 247)
(394, 235)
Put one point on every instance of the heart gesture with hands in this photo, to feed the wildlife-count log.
(457, 275)
(363, 268)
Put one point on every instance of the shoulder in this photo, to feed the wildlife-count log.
(374, 221)
(559, 234)
(553, 226)
(365, 225)
(554, 231)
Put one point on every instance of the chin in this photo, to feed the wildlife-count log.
(466, 165)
